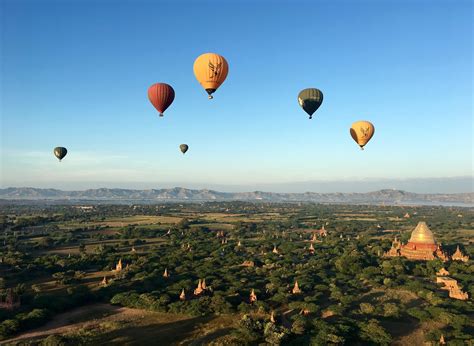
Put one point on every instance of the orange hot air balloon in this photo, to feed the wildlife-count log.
(161, 96)
(210, 70)
(362, 132)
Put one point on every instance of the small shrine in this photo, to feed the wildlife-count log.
(442, 272)
(248, 264)
(118, 266)
(253, 296)
(451, 285)
(296, 289)
(459, 256)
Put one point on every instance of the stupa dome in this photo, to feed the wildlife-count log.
(422, 234)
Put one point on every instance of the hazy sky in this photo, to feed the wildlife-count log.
(76, 74)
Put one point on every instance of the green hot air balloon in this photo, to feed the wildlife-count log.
(60, 152)
(184, 148)
(310, 99)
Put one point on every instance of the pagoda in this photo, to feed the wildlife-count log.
(182, 296)
(311, 249)
(459, 256)
(296, 289)
(275, 250)
(198, 290)
(104, 282)
(201, 287)
(253, 296)
(421, 246)
(442, 272)
(272, 317)
(322, 232)
(118, 267)
(165, 274)
(451, 285)
(394, 250)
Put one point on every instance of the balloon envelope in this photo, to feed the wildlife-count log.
(362, 132)
(60, 152)
(310, 99)
(161, 96)
(210, 70)
(184, 148)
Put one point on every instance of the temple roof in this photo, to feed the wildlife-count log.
(422, 234)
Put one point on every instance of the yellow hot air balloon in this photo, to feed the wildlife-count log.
(210, 70)
(362, 132)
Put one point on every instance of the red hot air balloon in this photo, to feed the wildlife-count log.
(161, 96)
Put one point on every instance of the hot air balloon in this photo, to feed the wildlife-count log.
(184, 148)
(362, 132)
(60, 152)
(161, 96)
(310, 99)
(210, 70)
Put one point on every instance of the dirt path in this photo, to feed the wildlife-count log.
(82, 317)
(113, 325)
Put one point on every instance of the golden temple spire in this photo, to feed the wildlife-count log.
(422, 234)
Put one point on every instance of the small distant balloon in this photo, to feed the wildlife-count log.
(60, 152)
(161, 96)
(310, 99)
(210, 70)
(362, 132)
(184, 148)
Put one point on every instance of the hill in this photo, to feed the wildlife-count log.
(386, 196)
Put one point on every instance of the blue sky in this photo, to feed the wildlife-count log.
(76, 74)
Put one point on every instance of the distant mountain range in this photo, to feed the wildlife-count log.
(182, 194)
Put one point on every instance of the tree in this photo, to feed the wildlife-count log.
(372, 331)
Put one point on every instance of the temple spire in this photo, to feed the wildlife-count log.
(253, 296)
(198, 290)
(182, 296)
(296, 289)
(165, 274)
